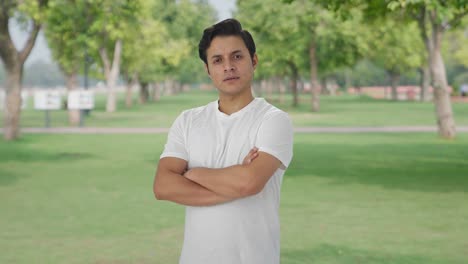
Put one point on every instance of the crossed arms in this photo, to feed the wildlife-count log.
(205, 186)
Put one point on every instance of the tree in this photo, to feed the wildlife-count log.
(31, 13)
(110, 21)
(163, 33)
(395, 47)
(304, 36)
(66, 29)
(442, 15)
(434, 18)
(185, 21)
(187, 24)
(280, 42)
(143, 52)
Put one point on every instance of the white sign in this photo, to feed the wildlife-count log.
(47, 100)
(81, 99)
(24, 99)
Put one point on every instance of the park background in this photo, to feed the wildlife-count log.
(374, 179)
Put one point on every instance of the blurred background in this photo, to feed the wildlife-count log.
(377, 92)
(145, 49)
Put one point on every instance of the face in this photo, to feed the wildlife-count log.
(230, 66)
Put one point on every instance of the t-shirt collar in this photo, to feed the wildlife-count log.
(238, 113)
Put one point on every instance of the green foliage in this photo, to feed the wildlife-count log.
(35, 10)
(277, 34)
(186, 21)
(454, 46)
(445, 12)
(284, 33)
(67, 33)
(366, 73)
(395, 46)
(163, 43)
(78, 28)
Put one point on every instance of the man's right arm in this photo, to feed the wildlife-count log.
(170, 184)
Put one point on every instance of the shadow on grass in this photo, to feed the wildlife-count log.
(431, 167)
(326, 253)
(28, 155)
(20, 153)
(8, 177)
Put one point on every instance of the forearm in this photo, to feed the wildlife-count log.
(176, 188)
(231, 181)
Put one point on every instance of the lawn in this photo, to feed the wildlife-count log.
(347, 110)
(356, 198)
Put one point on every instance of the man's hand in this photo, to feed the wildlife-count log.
(253, 153)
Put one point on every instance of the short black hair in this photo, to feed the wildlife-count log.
(228, 27)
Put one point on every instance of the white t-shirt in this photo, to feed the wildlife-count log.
(243, 231)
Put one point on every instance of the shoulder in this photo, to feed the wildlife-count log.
(193, 116)
(270, 111)
(196, 112)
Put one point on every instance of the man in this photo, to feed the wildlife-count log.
(225, 160)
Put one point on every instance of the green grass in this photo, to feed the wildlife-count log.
(357, 198)
(347, 110)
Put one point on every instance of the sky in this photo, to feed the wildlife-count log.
(41, 50)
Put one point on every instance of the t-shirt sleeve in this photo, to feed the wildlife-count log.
(176, 139)
(275, 137)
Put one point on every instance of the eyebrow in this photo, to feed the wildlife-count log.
(218, 55)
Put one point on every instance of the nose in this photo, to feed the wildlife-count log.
(229, 66)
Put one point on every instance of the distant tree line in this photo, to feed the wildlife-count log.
(152, 44)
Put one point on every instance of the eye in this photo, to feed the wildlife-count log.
(216, 61)
(238, 56)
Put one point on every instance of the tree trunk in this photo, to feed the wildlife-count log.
(13, 61)
(144, 92)
(333, 87)
(72, 84)
(263, 87)
(129, 91)
(156, 91)
(178, 86)
(425, 70)
(293, 83)
(394, 81)
(443, 105)
(323, 85)
(129, 95)
(425, 83)
(169, 86)
(112, 73)
(269, 87)
(348, 79)
(314, 83)
(13, 102)
(282, 91)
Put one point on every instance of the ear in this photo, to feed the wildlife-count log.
(255, 61)
(207, 70)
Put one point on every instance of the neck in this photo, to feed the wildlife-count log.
(232, 104)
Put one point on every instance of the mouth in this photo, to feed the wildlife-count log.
(230, 79)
